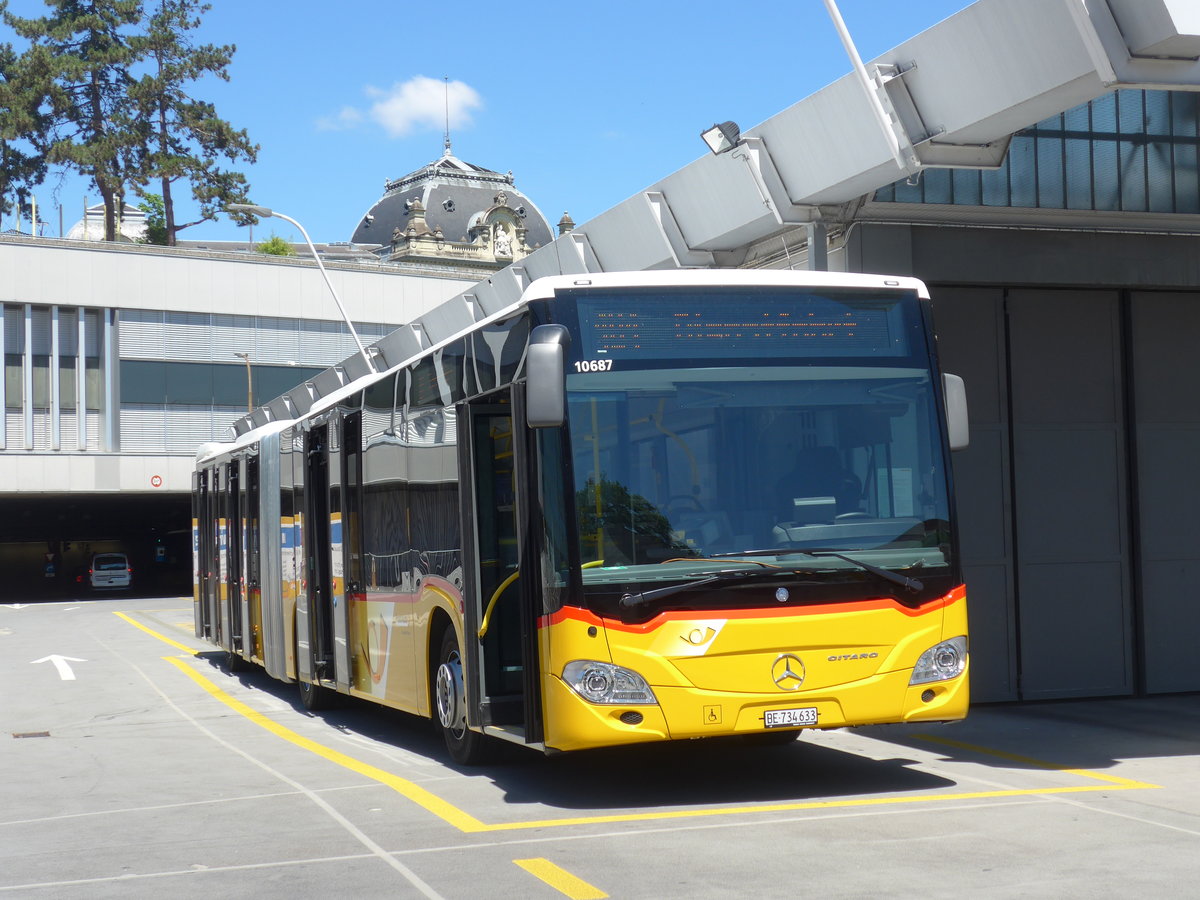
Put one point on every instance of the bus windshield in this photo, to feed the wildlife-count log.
(757, 443)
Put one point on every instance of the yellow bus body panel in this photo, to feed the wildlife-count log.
(391, 640)
(715, 673)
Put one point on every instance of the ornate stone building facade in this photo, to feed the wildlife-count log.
(454, 214)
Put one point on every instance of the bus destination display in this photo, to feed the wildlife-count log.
(738, 326)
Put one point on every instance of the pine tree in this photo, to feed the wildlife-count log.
(22, 165)
(185, 139)
(81, 55)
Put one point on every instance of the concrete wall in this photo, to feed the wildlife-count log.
(132, 277)
(46, 272)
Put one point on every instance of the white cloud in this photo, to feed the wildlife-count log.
(348, 117)
(423, 103)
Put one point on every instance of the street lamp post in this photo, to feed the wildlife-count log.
(245, 357)
(266, 213)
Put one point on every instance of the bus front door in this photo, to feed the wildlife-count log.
(314, 620)
(206, 554)
(503, 694)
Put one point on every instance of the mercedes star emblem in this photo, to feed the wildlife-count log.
(788, 672)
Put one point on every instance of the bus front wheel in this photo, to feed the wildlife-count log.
(466, 746)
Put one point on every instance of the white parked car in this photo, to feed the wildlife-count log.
(110, 570)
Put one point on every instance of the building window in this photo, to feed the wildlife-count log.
(1129, 151)
(205, 384)
(14, 351)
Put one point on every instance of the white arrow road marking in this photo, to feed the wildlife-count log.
(16, 605)
(60, 663)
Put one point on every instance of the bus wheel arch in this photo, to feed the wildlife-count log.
(466, 747)
(439, 622)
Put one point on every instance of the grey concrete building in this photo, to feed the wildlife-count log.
(121, 359)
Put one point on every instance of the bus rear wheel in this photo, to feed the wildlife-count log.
(466, 747)
(235, 663)
(314, 697)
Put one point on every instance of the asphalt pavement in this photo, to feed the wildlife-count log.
(133, 764)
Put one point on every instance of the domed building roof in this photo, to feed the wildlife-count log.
(454, 212)
(131, 224)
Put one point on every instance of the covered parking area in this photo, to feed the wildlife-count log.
(47, 543)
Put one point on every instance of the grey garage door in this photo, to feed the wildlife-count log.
(1042, 491)
(1165, 346)
(1069, 471)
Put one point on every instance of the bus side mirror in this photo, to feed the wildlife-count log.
(957, 425)
(545, 394)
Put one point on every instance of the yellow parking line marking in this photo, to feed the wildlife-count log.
(190, 651)
(468, 824)
(560, 879)
(402, 786)
(1037, 763)
(793, 807)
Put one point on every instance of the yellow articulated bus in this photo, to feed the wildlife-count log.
(630, 507)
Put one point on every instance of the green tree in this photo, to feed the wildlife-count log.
(22, 164)
(156, 225)
(79, 59)
(184, 138)
(619, 523)
(276, 246)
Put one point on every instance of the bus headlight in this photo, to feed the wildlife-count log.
(941, 662)
(601, 682)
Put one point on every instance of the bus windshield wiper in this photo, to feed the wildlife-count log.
(909, 584)
(629, 601)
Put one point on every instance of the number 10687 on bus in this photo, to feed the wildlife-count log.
(594, 365)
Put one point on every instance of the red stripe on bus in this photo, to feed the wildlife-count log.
(383, 598)
(589, 618)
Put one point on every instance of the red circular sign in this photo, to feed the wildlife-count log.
(155, 481)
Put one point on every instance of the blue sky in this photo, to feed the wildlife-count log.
(586, 103)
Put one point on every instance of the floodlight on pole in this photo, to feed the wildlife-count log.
(265, 212)
(245, 357)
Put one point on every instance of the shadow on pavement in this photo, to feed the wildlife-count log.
(1071, 734)
(678, 774)
(1091, 734)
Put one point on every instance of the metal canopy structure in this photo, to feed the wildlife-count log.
(952, 97)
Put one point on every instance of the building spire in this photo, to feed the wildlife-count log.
(446, 138)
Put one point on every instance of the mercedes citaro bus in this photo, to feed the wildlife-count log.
(630, 507)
